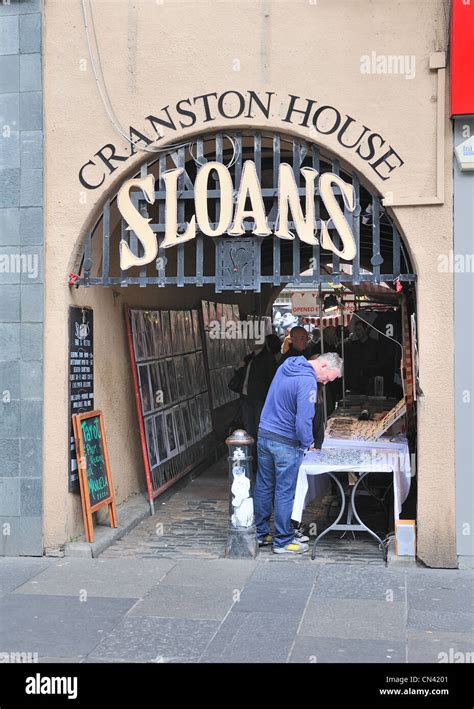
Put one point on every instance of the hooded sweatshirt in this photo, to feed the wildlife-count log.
(289, 407)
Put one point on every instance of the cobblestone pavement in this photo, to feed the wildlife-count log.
(192, 524)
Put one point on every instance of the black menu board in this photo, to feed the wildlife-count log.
(81, 376)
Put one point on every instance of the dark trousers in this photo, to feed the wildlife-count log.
(251, 411)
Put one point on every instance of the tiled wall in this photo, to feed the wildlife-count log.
(21, 277)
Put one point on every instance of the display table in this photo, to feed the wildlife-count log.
(360, 457)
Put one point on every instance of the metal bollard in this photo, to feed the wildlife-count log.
(241, 536)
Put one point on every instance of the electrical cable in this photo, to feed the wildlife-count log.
(104, 94)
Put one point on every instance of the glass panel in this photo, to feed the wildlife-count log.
(179, 427)
(148, 330)
(174, 331)
(194, 418)
(172, 443)
(188, 429)
(173, 385)
(163, 382)
(181, 378)
(155, 384)
(165, 325)
(151, 442)
(157, 334)
(161, 439)
(145, 392)
(196, 330)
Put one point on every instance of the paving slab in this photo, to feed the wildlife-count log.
(449, 578)
(119, 578)
(436, 598)
(441, 619)
(252, 637)
(229, 573)
(290, 573)
(57, 626)
(271, 598)
(16, 571)
(167, 601)
(374, 583)
(156, 639)
(354, 618)
(440, 647)
(343, 650)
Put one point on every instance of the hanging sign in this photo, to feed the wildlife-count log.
(94, 470)
(248, 204)
(305, 303)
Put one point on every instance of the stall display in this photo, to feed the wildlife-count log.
(350, 428)
(224, 353)
(357, 459)
(172, 395)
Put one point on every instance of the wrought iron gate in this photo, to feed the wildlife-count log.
(247, 262)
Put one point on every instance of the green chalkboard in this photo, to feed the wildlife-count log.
(95, 460)
(95, 480)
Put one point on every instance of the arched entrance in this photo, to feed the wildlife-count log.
(228, 269)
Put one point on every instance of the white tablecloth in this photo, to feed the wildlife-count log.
(338, 454)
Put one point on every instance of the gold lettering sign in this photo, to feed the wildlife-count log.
(231, 217)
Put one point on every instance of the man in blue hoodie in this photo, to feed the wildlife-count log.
(284, 435)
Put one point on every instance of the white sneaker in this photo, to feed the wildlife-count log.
(300, 537)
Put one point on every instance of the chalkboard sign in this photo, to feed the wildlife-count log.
(93, 466)
(81, 376)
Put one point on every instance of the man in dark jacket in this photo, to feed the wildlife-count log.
(284, 435)
(362, 361)
(300, 344)
(260, 371)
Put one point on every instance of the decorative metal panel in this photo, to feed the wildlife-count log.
(237, 264)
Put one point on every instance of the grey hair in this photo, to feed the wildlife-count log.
(332, 360)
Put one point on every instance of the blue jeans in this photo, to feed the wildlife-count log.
(277, 472)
